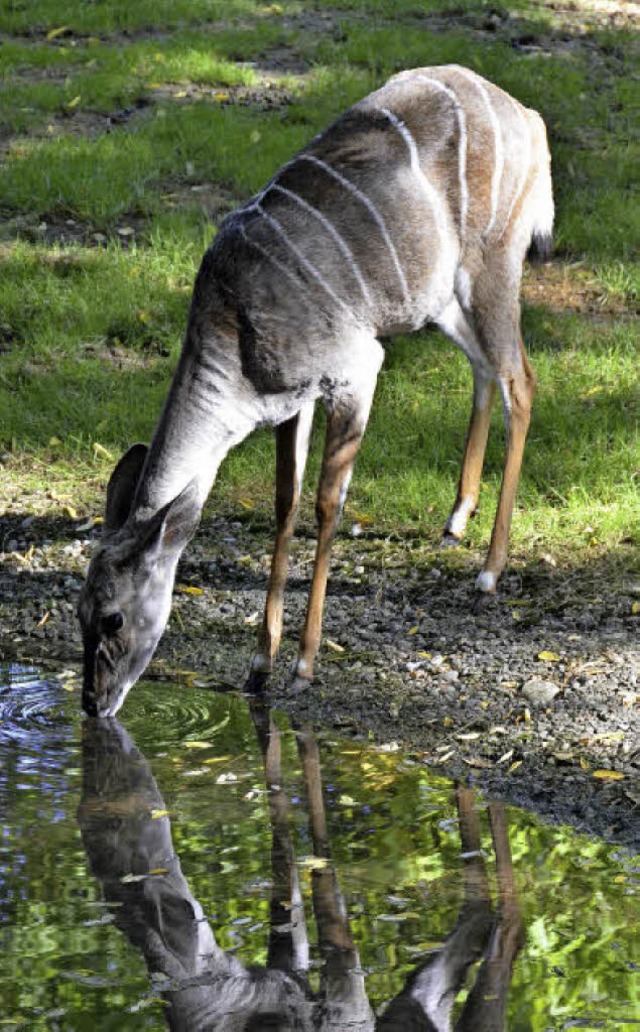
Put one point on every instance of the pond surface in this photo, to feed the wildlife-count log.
(204, 865)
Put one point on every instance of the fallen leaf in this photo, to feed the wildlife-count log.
(608, 775)
(198, 745)
(514, 766)
(549, 657)
(45, 619)
(448, 722)
(247, 503)
(188, 589)
(57, 32)
(73, 103)
(635, 608)
(413, 630)
(157, 814)
(70, 511)
(333, 645)
(477, 761)
(471, 736)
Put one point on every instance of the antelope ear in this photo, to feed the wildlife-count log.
(173, 526)
(121, 487)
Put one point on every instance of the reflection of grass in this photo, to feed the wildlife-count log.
(85, 331)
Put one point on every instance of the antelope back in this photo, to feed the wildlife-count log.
(367, 226)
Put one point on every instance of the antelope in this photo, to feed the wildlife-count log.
(418, 205)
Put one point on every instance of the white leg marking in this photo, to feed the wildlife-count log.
(506, 402)
(311, 269)
(333, 232)
(486, 581)
(498, 152)
(458, 520)
(371, 208)
(462, 153)
(416, 168)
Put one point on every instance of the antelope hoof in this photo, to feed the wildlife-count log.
(486, 582)
(299, 685)
(449, 540)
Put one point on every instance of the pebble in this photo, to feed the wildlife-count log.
(540, 693)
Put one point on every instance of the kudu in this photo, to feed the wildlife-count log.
(206, 989)
(417, 205)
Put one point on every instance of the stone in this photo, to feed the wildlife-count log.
(539, 692)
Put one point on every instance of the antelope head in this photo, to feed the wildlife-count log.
(125, 602)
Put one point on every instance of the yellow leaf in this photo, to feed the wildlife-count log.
(180, 94)
(635, 608)
(514, 766)
(333, 645)
(70, 511)
(45, 619)
(549, 657)
(247, 503)
(188, 589)
(414, 630)
(57, 32)
(221, 97)
(54, 442)
(197, 745)
(143, 317)
(157, 814)
(608, 775)
(73, 103)
(448, 722)
(527, 715)
(362, 518)
(620, 879)
(158, 870)
(347, 800)
(424, 655)
(584, 764)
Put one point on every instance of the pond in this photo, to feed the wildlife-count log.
(205, 865)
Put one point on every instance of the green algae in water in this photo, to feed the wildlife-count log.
(216, 837)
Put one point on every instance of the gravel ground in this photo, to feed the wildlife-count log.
(532, 695)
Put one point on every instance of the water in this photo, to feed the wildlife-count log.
(147, 867)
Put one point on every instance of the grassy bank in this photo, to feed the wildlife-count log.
(128, 131)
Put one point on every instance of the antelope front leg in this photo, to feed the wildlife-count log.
(517, 398)
(292, 445)
(344, 435)
(475, 447)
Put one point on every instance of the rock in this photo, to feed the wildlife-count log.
(540, 693)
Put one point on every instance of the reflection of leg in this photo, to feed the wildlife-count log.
(288, 944)
(427, 1001)
(345, 1001)
(292, 443)
(485, 1006)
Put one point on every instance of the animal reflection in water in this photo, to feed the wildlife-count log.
(208, 989)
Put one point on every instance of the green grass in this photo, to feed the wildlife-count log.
(89, 334)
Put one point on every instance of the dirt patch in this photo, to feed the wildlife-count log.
(532, 695)
(563, 287)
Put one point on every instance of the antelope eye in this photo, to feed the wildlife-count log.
(111, 624)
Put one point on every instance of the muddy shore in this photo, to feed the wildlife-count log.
(531, 695)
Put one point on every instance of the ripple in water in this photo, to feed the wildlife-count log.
(33, 708)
